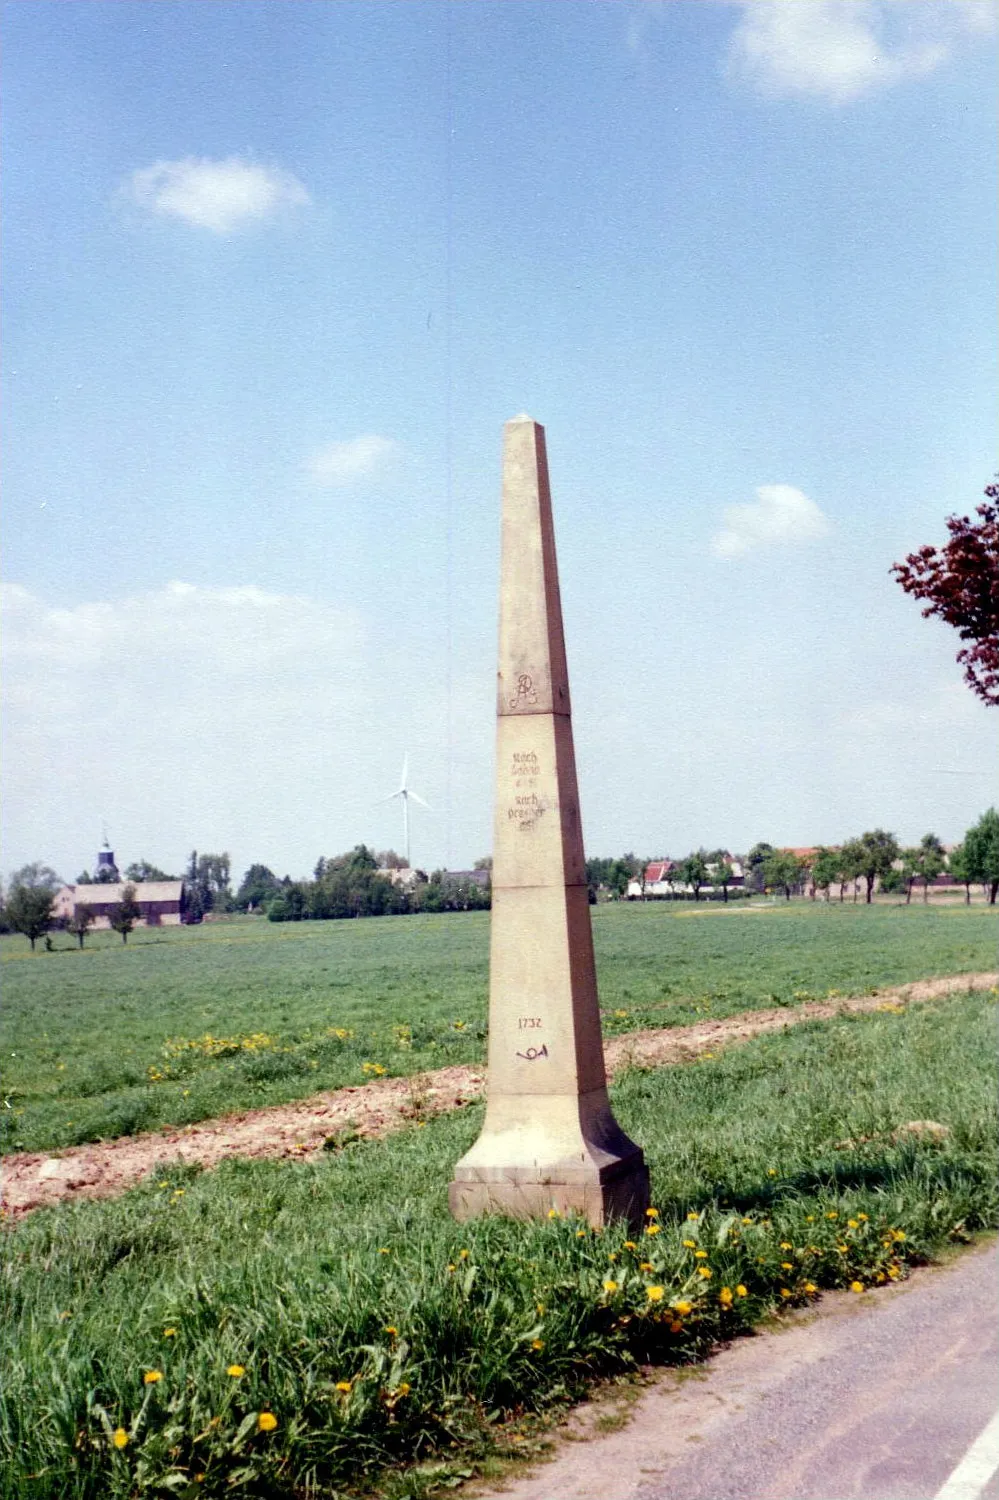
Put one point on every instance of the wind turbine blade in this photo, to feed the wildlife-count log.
(417, 798)
(405, 772)
(390, 798)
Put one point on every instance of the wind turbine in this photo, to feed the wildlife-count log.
(405, 793)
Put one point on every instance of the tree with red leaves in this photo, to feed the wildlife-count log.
(961, 582)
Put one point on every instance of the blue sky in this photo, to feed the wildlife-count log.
(275, 276)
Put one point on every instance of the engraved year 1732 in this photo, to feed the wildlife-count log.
(528, 1023)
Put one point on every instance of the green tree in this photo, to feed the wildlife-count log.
(850, 862)
(906, 871)
(82, 919)
(825, 870)
(693, 871)
(259, 886)
(755, 860)
(388, 859)
(957, 865)
(981, 853)
(783, 871)
(930, 861)
(209, 875)
(142, 871)
(720, 871)
(126, 913)
(876, 852)
(31, 896)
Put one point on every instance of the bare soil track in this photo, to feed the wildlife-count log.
(35, 1179)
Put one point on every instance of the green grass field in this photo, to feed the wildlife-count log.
(187, 1023)
(291, 1329)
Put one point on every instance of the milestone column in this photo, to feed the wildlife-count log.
(549, 1139)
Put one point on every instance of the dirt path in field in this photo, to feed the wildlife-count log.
(33, 1179)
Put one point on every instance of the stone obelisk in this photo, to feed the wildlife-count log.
(549, 1139)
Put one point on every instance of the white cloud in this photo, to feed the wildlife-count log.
(218, 195)
(227, 716)
(343, 463)
(781, 516)
(839, 50)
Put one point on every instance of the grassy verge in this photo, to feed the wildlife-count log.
(186, 1024)
(283, 1329)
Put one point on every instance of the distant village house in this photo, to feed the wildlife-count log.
(160, 902)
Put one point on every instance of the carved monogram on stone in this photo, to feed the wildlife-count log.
(525, 692)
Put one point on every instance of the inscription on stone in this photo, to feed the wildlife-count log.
(533, 1053)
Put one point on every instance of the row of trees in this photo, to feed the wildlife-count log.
(355, 885)
(873, 860)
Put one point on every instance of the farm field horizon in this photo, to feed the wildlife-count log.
(186, 1024)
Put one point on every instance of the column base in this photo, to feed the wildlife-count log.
(618, 1190)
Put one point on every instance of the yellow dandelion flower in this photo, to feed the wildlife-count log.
(541, 1309)
(344, 1386)
(610, 1287)
(771, 1172)
(151, 1377)
(784, 1292)
(630, 1245)
(581, 1234)
(706, 1272)
(853, 1223)
(809, 1287)
(169, 1333)
(747, 1221)
(898, 1235)
(537, 1343)
(652, 1228)
(700, 1255)
(694, 1217)
(236, 1371)
(463, 1254)
(810, 1218)
(652, 1213)
(553, 1213)
(893, 1272)
(646, 1265)
(725, 1296)
(786, 1245)
(391, 1330)
(856, 1286)
(120, 1437)
(786, 1265)
(863, 1217)
(612, 1255)
(682, 1307)
(740, 1291)
(452, 1266)
(266, 1421)
(403, 1388)
(690, 1244)
(654, 1293)
(832, 1214)
(384, 1250)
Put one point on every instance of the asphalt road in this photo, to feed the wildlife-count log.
(873, 1397)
